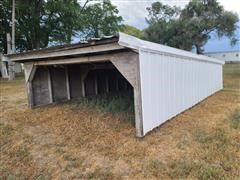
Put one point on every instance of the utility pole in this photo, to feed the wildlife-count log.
(9, 42)
(13, 26)
(11, 65)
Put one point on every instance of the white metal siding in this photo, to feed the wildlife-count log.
(172, 84)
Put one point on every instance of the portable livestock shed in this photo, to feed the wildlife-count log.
(165, 81)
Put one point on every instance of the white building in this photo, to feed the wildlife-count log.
(226, 56)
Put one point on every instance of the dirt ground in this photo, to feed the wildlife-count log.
(70, 141)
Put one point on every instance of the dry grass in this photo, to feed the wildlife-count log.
(69, 141)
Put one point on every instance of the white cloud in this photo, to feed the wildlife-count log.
(134, 11)
(231, 5)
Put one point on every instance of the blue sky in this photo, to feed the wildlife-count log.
(134, 13)
(222, 44)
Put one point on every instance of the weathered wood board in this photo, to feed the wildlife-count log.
(59, 89)
(40, 87)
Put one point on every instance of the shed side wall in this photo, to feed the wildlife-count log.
(170, 85)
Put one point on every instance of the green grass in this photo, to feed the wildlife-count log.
(21, 154)
(115, 103)
(220, 138)
(201, 136)
(211, 172)
(5, 129)
(154, 167)
(235, 120)
(174, 169)
(232, 69)
(181, 168)
(231, 76)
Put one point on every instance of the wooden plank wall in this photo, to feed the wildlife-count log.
(58, 80)
(40, 87)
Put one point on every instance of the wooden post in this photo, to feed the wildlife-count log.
(30, 94)
(9, 49)
(138, 103)
(13, 26)
(83, 87)
(11, 73)
(50, 87)
(30, 71)
(83, 76)
(67, 84)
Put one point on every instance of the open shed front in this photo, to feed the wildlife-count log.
(165, 81)
(50, 81)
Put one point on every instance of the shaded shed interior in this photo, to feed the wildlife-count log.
(56, 83)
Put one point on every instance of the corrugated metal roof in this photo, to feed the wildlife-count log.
(90, 42)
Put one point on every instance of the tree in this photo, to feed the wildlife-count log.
(40, 23)
(163, 24)
(64, 20)
(101, 19)
(132, 31)
(5, 27)
(205, 17)
(45, 22)
(191, 27)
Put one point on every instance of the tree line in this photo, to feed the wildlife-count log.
(42, 23)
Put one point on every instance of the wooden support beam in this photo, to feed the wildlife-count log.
(29, 70)
(30, 94)
(126, 65)
(83, 87)
(67, 84)
(73, 51)
(83, 77)
(81, 60)
(138, 103)
(50, 87)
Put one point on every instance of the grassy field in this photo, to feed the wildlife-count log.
(73, 141)
(231, 76)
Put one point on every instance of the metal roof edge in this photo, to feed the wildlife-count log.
(219, 52)
(138, 44)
